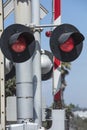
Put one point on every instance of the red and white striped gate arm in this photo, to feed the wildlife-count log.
(57, 63)
(57, 11)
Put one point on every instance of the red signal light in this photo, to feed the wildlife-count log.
(48, 33)
(19, 45)
(66, 42)
(68, 45)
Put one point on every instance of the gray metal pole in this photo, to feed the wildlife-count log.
(24, 77)
(2, 75)
(37, 64)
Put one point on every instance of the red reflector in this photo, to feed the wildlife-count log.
(19, 46)
(68, 45)
(48, 33)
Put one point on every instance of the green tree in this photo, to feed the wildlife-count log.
(10, 87)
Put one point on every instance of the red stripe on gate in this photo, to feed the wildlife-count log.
(57, 96)
(56, 63)
(57, 9)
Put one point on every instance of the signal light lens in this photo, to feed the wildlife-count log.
(19, 45)
(48, 33)
(68, 45)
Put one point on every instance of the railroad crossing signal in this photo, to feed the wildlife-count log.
(66, 42)
(17, 43)
(46, 64)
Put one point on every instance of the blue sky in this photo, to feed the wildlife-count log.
(72, 12)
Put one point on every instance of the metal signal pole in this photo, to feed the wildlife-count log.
(24, 71)
(28, 74)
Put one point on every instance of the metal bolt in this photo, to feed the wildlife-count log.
(0, 30)
(1, 62)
